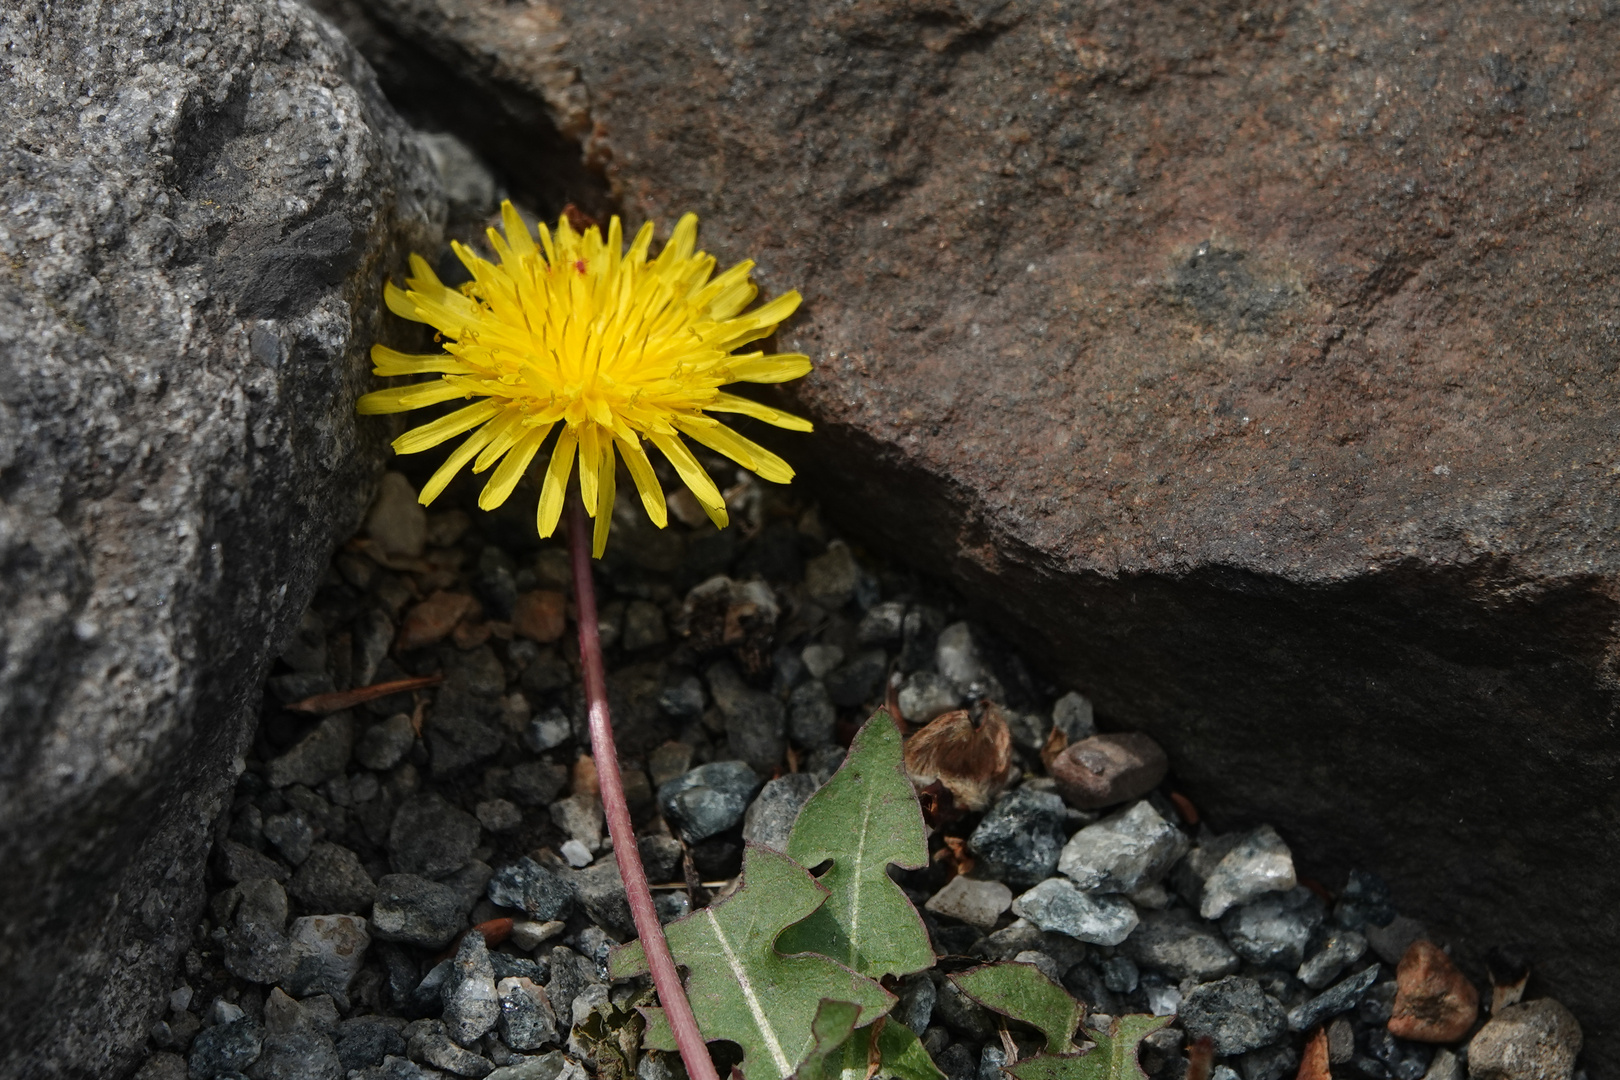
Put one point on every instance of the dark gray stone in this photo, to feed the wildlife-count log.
(770, 817)
(317, 757)
(961, 1013)
(915, 1008)
(224, 1048)
(708, 800)
(386, 742)
(756, 723)
(471, 1005)
(327, 951)
(540, 893)
(332, 880)
(429, 1044)
(859, 681)
(1235, 1013)
(1337, 952)
(463, 725)
(683, 700)
(430, 837)
(1123, 852)
(526, 1020)
(570, 974)
(1272, 1063)
(883, 624)
(1180, 946)
(1018, 841)
(600, 891)
(399, 1068)
(297, 1055)
(549, 730)
(257, 949)
(536, 783)
(1056, 905)
(660, 857)
(824, 761)
(417, 911)
(363, 1042)
(238, 862)
(547, 673)
(1364, 903)
(925, 695)
(507, 966)
(1274, 930)
(812, 716)
(1258, 863)
(291, 834)
(1342, 997)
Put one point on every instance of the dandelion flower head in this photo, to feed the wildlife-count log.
(607, 347)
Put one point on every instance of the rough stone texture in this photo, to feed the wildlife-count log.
(200, 201)
(1434, 1002)
(1533, 1040)
(1195, 339)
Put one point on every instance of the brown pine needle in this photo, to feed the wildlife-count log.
(338, 700)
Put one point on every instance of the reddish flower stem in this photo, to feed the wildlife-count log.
(666, 980)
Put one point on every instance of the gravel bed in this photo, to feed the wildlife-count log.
(362, 845)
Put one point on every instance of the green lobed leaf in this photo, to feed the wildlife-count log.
(863, 819)
(1113, 1058)
(1023, 992)
(833, 1053)
(740, 986)
(902, 1055)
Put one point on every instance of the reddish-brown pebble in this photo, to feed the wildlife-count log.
(1434, 1003)
(470, 635)
(539, 615)
(432, 619)
(1108, 769)
(1314, 1064)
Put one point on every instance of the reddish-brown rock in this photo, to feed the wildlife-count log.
(1108, 769)
(1252, 364)
(540, 615)
(430, 621)
(1434, 1002)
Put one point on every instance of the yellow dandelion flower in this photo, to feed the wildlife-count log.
(614, 349)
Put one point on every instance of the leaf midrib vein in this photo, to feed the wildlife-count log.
(784, 1067)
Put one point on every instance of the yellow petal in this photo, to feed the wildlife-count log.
(745, 452)
(639, 246)
(399, 303)
(693, 476)
(503, 435)
(511, 469)
(422, 278)
(775, 368)
(733, 404)
(604, 500)
(445, 427)
(453, 464)
(641, 471)
(590, 458)
(556, 485)
(681, 241)
(405, 398)
(517, 233)
(391, 362)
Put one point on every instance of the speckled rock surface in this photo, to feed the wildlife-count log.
(200, 201)
(1195, 340)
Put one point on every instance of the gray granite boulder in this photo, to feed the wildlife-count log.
(199, 202)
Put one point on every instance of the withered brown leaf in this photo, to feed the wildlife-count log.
(972, 763)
